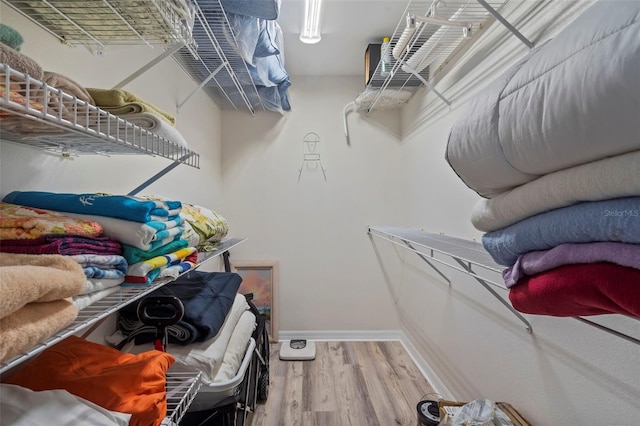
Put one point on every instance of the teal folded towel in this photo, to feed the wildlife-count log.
(10, 37)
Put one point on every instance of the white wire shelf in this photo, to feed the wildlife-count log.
(182, 388)
(215, 65)
(196, 33)
(464, 255)
(461, 255)
(470, 252)
(430, 47)
(36, 114)
(98, 24)
(92, 314)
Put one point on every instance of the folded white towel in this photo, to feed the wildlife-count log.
(156, 125)
(611, 177)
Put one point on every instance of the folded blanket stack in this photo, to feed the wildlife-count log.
(556, 229)
(64, 98)
(207, 298)
(29, 232)
(118, 102)
(583, 259)
(35, 303)
(146, 228)
(203, 227)
(167, 265)
(69, 101)
(139, 112)
(561, 207)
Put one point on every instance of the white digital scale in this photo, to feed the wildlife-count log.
(297, 350)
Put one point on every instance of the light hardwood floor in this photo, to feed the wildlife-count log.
(349, 383)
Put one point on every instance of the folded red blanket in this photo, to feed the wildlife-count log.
(67, 245)
(579, 290)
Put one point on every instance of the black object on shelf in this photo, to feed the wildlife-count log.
(371, 60)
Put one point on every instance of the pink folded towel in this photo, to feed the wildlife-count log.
(20, 62)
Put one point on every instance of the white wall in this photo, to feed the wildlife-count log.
(565, 373)
(331, 277)
(315, 228)
(165, 85)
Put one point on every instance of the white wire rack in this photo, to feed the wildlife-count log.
(464, 256)
(98, 24)
(196, 33)
(471, 251)
(36, 114)
(182, 388)
(431, 45)
(215, 65)
(95, 312)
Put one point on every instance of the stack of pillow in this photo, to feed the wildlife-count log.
(558, 166)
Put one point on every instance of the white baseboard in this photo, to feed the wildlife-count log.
(341, 335)
(427, 372)
(375, 335)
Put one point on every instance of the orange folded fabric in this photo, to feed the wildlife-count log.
(126, 383)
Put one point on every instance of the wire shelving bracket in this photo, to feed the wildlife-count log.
(466, 256)
(428, 36)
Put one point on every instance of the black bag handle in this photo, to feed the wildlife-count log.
(160, 322)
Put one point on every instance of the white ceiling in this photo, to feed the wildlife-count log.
(348, 26)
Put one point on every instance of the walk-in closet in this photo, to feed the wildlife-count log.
(319, 212)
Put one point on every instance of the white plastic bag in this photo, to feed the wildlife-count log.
(475, 413)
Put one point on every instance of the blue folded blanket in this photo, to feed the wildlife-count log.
(118, 206)
(207, 298)
(266, 9)
(608, 220)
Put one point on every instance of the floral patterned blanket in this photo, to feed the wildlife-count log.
(21, 222)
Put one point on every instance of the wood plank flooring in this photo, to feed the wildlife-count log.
(349, 383)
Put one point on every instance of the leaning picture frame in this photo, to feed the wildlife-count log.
(261, 279)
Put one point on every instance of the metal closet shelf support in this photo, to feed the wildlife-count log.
(434, 33)
(465, 256)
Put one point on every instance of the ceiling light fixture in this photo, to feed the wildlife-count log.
(311, 29)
